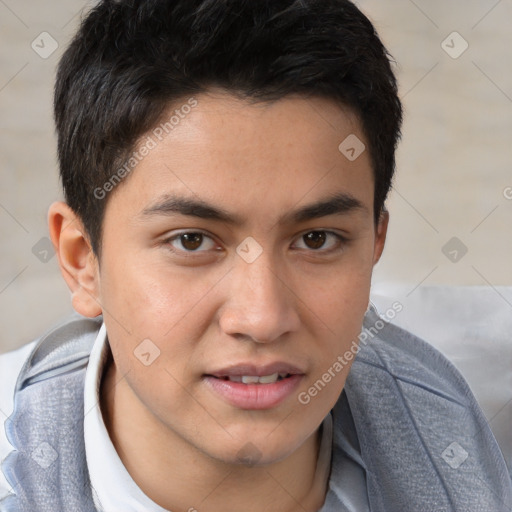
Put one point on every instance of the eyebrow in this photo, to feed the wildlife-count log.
(341, 203)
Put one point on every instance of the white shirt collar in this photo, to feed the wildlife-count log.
(113, 488)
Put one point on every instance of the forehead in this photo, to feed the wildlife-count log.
(289, 128)
(265, 155)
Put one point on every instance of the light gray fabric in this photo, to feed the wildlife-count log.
(471, 326)
(47, 470)
(348, 489)
(423, 438)
(406, 415)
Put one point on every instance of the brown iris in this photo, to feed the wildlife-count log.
(191, 241)
(315, 239)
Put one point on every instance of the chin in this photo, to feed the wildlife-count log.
(257, 453)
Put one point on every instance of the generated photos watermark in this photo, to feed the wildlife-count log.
(157, 135)
(342, 361)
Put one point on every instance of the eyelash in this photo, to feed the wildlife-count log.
(341, 241)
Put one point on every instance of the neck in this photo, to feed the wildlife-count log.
(177, 476)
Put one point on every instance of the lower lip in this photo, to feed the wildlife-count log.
(254, 396)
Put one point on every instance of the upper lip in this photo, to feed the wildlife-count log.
(239, 370)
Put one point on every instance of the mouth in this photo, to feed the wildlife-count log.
(254, 379)
(255, 387)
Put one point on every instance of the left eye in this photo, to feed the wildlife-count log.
(191, 241)
(319, 239)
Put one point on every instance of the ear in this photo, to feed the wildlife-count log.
(78, 264)
(380, 235)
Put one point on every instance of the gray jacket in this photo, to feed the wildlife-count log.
(424, 441)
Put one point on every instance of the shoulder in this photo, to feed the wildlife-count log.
(62, 348)
(403, 356)
(416, 421)
(10, 366)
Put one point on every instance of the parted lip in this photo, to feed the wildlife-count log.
(241, 369)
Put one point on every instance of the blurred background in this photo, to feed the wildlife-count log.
(451, 205)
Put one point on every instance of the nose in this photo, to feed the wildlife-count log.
(261, 306)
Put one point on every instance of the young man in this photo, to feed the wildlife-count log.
(225, 166)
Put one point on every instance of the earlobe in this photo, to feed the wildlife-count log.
(380, 235)
(77, 262)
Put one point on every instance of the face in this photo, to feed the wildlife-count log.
(236, 268)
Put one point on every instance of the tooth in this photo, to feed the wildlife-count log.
(249, 379)
(254, 379)
(269, 379)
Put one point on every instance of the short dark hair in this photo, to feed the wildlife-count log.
(131, 60)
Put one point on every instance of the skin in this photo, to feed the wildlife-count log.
(298, 303)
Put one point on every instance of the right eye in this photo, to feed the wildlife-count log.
(190, 242)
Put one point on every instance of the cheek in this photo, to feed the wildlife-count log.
(342, 299)
(339, 306)
(157, 317)
(150, 301)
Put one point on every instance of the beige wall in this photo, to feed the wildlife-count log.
(454, 164)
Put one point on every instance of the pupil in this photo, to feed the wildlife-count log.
(315, 239)
(191, 241)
